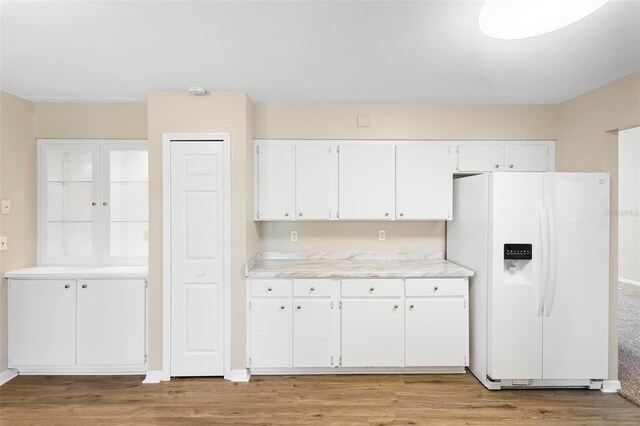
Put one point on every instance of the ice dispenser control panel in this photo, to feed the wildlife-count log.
(517, 251)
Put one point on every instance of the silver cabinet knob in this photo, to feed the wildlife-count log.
(300, 214)
(312, 289)
(435, 288)
(401, 214)
(371, 289)
(386, 214)
(395, 306)
(104, 203)
(282, 307)
(286, 215)
(94, 204)
(410, 306)
(84, 286)
(497, 166)
(269, 289)
(511, 166)
(67, 285)
(298, 307)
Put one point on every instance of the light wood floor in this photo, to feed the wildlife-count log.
(411, 399)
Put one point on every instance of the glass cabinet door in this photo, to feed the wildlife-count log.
(126, 191)
(69, 190)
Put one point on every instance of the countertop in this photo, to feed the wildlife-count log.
(353, 265)
(80, 272)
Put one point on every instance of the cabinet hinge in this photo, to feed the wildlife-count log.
(465, 304)
(257, 150)
(332, 308)
(340, 361)
(331, 360)
(338, 149)
(258, 214)
(249, 304)
(465, 360)
(146, 283)
(340, 305)
(249, 362)
(145, 357)
(329, 149)
(337, 214)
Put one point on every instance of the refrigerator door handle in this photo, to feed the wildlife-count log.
(544, 252)
(551, 287)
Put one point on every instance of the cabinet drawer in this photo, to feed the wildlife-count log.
(271, 288)
(312, 288)
(372, 288)
(436, 287)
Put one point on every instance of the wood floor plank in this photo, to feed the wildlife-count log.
(301, 400)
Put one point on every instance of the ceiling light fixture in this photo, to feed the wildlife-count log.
(516, 19)
(198, 91)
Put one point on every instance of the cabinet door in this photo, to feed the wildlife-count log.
(366, 181)
(480, 157)
(372, 333)
(276, 182)
(69, 212)
(526, 158)
(111, 322)
(424, 182)
(270, 333)
(314, 333)
(314, 182)
(42, 323)
(436, 332)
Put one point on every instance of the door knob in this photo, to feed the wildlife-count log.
(269, 289)
(300, 214)
(435, 288)
(511, 166)
(94, 204)
(298, 307)
(282, 307)
(410, 306)
(104, 203)
(395, 306)
(401, 214)
(286, 215)
(312, 289)
(497, 166)
(371, 289)
(84, 286)
(67, 285)
(386, 214)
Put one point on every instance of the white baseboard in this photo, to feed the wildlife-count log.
(238, 375)
(610, 386)
(153, 376)
(7, 375)
(628, 281)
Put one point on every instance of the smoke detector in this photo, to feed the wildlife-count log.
(198, 91)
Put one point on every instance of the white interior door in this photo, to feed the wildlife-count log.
(197, 258)
(576, 311)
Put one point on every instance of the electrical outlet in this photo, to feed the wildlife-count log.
(294, 236)
(382, 235)
(5, 207)
(3, 243)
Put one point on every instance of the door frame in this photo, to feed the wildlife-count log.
(167, 139)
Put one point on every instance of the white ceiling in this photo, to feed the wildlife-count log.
(305, 52)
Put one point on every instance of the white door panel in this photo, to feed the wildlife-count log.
(515, 325)
(424, 182)
(111, 322)
(436, 332)
(270, 333)
(526, 158)
(480, 157)
(366, 181)
(313, 333)
(314, 189)
(42, 323)
(372, 333)
(576, 310)
(197, 209)
(276, 182)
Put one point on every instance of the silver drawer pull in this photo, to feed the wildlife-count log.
(282, 307)
(286, 215)
(386, 214)
(371, 289)
(269, 289)
(312, 289)
(298, 307)
(67, 285)
(84, 286)
(511, 166)
(410, 306)
(395, 306)
(435, 288)
(497, 166)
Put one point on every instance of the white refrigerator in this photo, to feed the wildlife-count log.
(539, 244)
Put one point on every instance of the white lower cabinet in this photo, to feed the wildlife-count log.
(358, 323)
(372, 333)
(69, 325)
(270, 333)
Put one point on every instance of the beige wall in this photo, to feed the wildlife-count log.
(389, 122)
(629, 204)
(587, 142)
(175, 112)
(90, 121)
(18, 184)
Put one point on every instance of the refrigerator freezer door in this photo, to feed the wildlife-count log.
(576, 309)
(515, 287)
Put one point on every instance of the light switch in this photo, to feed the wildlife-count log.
(382, 235)
(3, 243)
(5, 207)
(363, 121)
(294, 236)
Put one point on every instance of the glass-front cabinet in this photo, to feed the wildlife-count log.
(93, 202)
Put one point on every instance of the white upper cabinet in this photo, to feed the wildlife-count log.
(275, 181)
(424, 182)
(480, 157)
(526, 158)
(93, 202)
(366, 181)
(315, 181)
